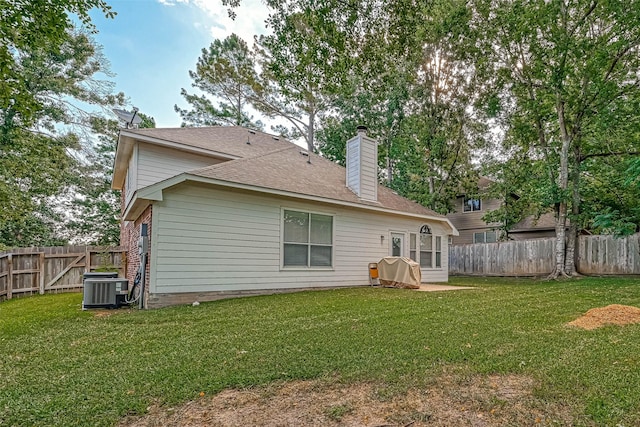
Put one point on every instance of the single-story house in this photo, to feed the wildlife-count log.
(231, 212)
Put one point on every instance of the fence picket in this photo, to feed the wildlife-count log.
(41, 272)
(10, 276)
(596, 255)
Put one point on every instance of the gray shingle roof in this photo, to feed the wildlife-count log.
(546, 221)
(272, 164)
(229, 140)
(288, 170)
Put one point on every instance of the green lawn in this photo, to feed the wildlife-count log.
(62, 366)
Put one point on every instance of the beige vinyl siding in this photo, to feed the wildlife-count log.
(131, 181)
(468, 223)
(353, 165)
(156, 163)
(206, 239)
(368, 169)
(362, 167)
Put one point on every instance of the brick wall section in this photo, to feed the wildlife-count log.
(129, 235)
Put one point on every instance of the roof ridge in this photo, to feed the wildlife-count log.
(146, 130)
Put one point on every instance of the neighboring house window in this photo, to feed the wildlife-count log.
(485, 237)
(308, 239)
(430, 249)
(471, 205)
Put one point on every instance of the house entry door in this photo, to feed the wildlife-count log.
(397, 244)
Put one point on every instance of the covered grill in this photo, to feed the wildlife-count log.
(399, 272)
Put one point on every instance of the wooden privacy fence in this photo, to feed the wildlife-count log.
(595, 255)
(608, 255)
(26, 271)
(511, 258)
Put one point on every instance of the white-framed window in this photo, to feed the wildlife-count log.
(430, 249)
(471, 205)
(307, 239)
(413, 246)
(485, 237)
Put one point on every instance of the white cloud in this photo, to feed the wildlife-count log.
(214, 17)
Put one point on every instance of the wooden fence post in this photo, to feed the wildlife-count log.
(9, 276)
(87, 260)
(42, 270)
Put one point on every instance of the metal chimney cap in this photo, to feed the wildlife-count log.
(361, 129)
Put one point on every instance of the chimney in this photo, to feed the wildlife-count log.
(362, 165)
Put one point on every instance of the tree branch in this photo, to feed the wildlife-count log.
(609, 154)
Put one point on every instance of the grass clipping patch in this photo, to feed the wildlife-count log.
(480, 401)
(614, 314)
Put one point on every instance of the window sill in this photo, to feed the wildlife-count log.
(307, 269)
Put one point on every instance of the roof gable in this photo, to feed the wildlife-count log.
(222, 142)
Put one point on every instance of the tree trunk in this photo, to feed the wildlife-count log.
(563, 183)
(572, 238)
(311, 131)
(389, 168)
(570, 259)
(239, 107)
(560, 241)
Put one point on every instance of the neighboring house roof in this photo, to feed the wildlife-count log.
(530, 223)
(484, 182)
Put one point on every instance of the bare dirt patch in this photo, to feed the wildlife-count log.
(479, 401)
(104, 313)
(614, 314)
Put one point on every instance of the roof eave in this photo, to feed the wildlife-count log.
(154, 192)
(124, 148)
(126, 142)
(140, 200)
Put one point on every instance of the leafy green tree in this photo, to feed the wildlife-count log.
(522, 186)
(42, 226)
(39, 147)
(412, 88)
(613, 196)
(225, 71)
(561, 71)
(303, 63)
(31, 25)
(95, 207)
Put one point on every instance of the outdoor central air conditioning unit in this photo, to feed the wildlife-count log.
(104, 292)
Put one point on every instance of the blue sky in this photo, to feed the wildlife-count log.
(152, 45)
